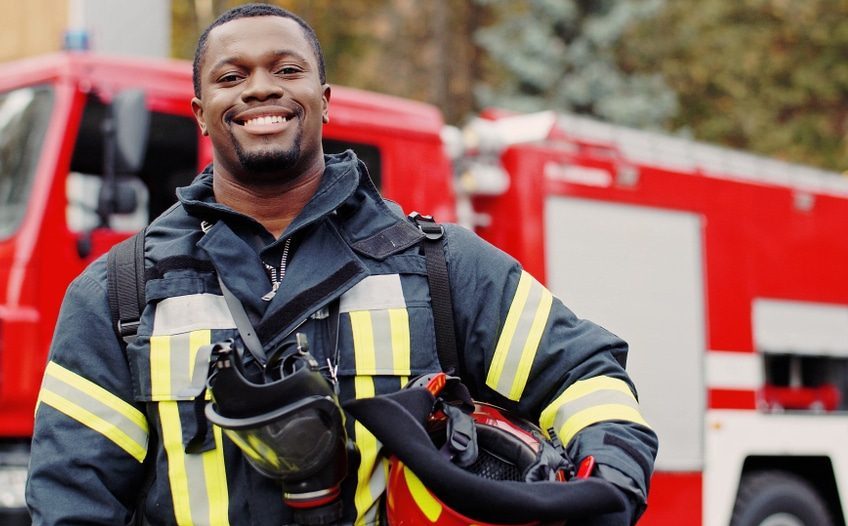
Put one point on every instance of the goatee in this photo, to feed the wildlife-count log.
(270, 160)
(263, 162)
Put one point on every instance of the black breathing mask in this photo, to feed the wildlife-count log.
(290, 427)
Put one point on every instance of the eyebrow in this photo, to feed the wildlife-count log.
(281, 53)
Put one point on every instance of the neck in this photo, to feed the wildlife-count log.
(274, 204)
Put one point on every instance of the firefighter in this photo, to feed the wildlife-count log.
(309, 249)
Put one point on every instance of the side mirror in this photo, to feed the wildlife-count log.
(131, 121)
(125, 132)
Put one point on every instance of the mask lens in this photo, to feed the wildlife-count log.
(293, 446)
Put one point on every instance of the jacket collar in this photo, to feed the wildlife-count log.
(341, 178)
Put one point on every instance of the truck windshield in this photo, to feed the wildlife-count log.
(24, 115)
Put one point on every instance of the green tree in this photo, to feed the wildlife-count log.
(561, 54)
(768, 76)
(415, 50)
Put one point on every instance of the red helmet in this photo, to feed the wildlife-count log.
(455, 462)
(507, 448)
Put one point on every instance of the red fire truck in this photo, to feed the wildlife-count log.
(724, 271)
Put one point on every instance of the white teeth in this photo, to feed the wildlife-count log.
(267, 119)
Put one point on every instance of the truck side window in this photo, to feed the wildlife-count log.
(170, 161)
(804, 349)
(368, 153)
(24, 116)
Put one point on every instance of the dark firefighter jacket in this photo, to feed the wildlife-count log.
(102, 410)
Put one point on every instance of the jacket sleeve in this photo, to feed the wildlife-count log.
(524, 350)
(90, 438)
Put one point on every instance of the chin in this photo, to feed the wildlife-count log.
(269, 161)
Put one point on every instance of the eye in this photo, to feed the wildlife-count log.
(229, 77)
(289, 70)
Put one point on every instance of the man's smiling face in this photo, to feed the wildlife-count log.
(262, 102)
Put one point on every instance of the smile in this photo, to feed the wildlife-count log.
(268, 119)
(264, 124)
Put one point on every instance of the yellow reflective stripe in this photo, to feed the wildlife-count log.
(98, 393)
(582, 388)
(363, 341)
(370, 471)
(528, 353)
(399, 320)
(505, 339)
(216, 482)
(89, 419)
(519, 340)
(172, 440)
(588, 402)
(198, 482)
(368, 446)
(160, 367)
(597, 414)
(96, 408)
(425, 500)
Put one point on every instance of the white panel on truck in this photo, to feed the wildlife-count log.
(798, 327)
(638, 271)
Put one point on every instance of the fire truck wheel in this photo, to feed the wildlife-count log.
(777, 498)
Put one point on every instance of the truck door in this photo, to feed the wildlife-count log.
(638, 271)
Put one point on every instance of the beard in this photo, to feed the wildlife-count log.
(269, 160)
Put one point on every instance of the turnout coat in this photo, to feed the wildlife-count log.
(113, 423)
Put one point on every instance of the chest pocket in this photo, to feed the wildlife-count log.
(386, 329)
(164, 364)
(385, 338)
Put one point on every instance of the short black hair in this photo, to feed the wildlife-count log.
(251, 10)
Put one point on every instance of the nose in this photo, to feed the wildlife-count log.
(262, 85)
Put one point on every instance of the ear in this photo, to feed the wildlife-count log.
(197, 109)
(325, 114)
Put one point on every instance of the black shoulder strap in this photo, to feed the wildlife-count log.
(440, 294)
(125, 285)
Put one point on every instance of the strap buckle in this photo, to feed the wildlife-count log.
(428, 226)
(128, 329)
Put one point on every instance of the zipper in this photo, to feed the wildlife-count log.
(275, 281)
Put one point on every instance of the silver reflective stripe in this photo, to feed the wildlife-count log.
(181, 362)
(588, 402)
(519, 339)
(381, 340)
(198, 481)
(374, 292)
(370, 475)
(377, 485)
(385, 335)
(591, 401)
(382, 332)
(96, 408)
(189, 313)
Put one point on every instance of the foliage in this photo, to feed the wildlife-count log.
(768, 76)
(560, 54)
(411, 49)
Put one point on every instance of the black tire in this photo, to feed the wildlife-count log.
(778, 498)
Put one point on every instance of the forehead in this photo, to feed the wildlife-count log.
(256, 36)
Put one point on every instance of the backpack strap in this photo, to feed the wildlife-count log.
(440, 294)
(125, 285)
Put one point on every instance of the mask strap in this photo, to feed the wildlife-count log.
(245, 328)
